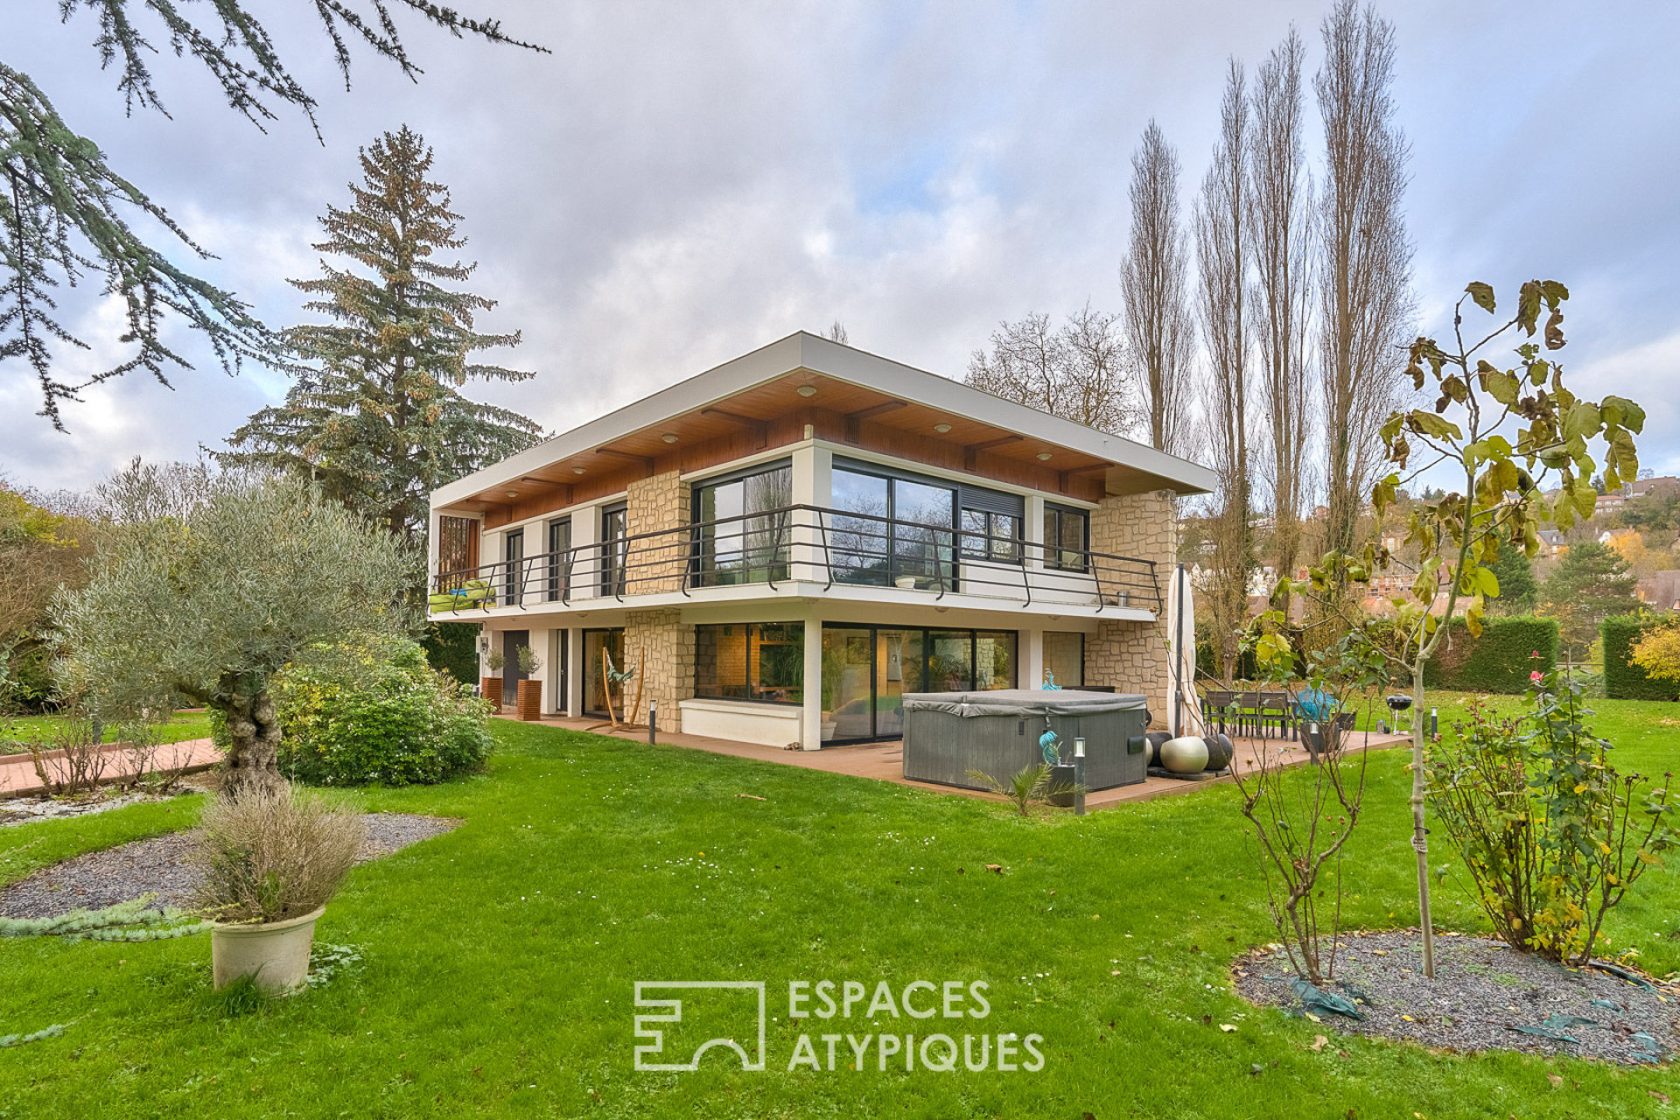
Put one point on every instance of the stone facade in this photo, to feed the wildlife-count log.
(650, 505)
(1133, 656)
(661, 646)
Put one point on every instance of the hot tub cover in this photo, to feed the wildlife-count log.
(1022, 702)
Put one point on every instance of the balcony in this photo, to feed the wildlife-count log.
(806, 550)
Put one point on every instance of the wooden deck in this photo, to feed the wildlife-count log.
(885, 761)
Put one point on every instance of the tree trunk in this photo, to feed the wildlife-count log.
(253, 757)
(1420, 833)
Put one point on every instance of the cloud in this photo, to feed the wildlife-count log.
(678, 184)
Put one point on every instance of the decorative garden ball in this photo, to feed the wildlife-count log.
(1156, 738)
(1187, 754)
(1220, 750)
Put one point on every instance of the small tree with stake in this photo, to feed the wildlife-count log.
(212, 583)
(1508, 435)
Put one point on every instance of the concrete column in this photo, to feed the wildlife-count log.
(811, 721)
(1034, 531)
(1032, 658)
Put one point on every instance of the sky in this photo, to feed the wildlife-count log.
(679, 183)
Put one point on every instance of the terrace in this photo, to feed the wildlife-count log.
(803, 551)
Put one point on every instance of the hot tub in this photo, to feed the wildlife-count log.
(949, 734)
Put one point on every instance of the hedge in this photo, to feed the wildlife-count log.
(1498, 661)
(453, 647)
(1624, 680)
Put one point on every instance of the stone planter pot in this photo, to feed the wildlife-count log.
(274, 954)
(529, 703)
(491, 689)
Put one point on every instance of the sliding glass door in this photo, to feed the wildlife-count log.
(867, 670)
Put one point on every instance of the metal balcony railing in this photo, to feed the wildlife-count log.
(808, 544)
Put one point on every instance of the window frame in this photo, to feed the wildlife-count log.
(1052, 543)
(752, 663)
(780, 568)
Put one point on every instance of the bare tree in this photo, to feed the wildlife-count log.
(837, 333)
(1365, 272)
(1221, 254)
(1280, 231)
(1153, 279)
(1080, 371)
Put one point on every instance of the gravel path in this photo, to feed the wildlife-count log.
(163, 866)
(1485, 996)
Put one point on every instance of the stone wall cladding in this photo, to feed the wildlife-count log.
(651, 505)
(661, 646)
(1132, 656)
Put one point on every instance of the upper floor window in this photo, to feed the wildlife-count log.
(741, 526)
(559, 557)
(890, 528)
(1067, 538)
(614, 529)
(991, 525)
(457, 556)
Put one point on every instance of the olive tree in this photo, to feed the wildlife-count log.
(210, 584)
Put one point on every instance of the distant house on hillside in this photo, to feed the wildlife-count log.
(1553, 543)
(1616, 500)
(1661, 590)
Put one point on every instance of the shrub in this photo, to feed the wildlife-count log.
(372, 710)
(453, 647)
(1552, 835)
(1624, 680)
(271, 855)
(1498, 661)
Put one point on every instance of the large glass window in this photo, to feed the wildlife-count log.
(1064, 658)
(991, 536)
(513, 557)
(994, 659)
(613, 544)
(868, 669)
(1067, 538)
(891, 530)
(559, 557)
(750, 661)
(601, 649)
(457, 550)
(742, 527)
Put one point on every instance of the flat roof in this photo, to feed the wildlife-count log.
(802, 352)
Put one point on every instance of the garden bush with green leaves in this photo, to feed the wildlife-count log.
(1552, 834)
(372, 710)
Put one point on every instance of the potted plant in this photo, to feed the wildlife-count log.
(529, 701)
(490, 686)
(272, 861)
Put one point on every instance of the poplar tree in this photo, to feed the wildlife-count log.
(376, 415)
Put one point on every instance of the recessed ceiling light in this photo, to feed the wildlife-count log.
(807, 390)
(513, 493)
(669, 437)
(1044, 456)
(942, 428)
(577, 470)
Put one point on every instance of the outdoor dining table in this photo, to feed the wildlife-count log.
(1263, 713)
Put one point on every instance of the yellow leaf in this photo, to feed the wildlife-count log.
(1581, 787)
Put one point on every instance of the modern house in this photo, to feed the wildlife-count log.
(783, 546)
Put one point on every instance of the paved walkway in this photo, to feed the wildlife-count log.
(18, 777)
(885, 761)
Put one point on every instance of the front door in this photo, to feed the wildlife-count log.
(512, 642)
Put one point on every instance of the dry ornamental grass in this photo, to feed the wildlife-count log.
(272, 856)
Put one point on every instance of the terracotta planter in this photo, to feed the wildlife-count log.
(530, 700)
(274, 954)
(491, 689)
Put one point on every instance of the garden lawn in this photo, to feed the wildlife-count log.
(39, 729)
(499, 960)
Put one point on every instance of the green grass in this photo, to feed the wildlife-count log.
(39, 729)
(498, 961)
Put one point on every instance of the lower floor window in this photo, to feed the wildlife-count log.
(1064, 658)
(602, 649)
(762, 661)
(868, 669)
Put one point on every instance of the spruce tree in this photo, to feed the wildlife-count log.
(376, 415)
(1518, 593)
(1590, 583)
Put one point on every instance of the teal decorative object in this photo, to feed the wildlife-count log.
(1050, 684)
(1050, 746)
